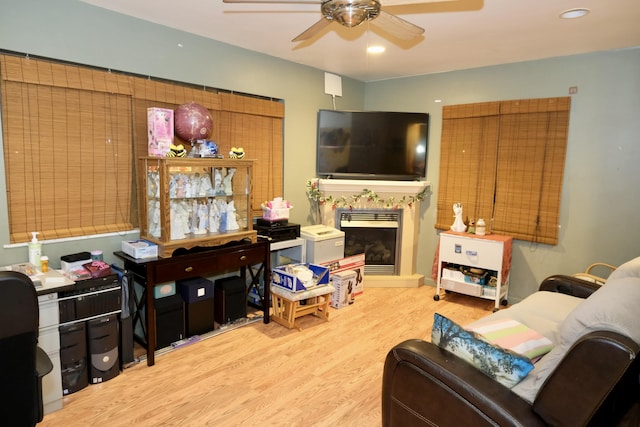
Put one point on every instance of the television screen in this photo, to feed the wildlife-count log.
(372, 145)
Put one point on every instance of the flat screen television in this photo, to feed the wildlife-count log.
(372, 145)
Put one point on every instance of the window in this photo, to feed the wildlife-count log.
(71, 134)
(67, 149)
(504, 161)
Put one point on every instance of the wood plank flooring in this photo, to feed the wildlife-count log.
(329, 374)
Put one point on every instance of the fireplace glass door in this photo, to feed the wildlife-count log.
(374, 232)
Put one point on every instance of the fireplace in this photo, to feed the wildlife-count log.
(395, 221)
(374, 232)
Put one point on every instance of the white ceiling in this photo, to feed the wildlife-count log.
(459, 34)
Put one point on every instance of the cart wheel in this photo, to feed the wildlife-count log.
(495, 309)
(504, 302)
(436, 297)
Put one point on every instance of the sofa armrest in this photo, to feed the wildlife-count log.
(569, 285)
(595, 383)
(424, 385)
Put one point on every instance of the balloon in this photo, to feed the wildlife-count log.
(193, 122)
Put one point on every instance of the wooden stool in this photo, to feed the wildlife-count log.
(287, 307)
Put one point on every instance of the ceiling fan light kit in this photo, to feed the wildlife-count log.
(350, 13)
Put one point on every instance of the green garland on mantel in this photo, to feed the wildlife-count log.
(315, 195)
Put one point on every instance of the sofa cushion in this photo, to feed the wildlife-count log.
(504, 366)
(614, 307)
(515, 336)
(540, 311)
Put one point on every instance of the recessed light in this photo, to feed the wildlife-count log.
(574, 13)
(375, 49)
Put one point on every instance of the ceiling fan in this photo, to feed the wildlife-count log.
(351, 13)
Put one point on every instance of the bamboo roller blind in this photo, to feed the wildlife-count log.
(71, 134)
(504, 161)
(67, 149)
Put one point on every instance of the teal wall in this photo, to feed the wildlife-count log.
(74, 31)
(600, 194)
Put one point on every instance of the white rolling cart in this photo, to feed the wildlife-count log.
(490, 253)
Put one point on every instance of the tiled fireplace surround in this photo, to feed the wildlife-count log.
(407, 276)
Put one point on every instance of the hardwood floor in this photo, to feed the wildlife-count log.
(329, 374)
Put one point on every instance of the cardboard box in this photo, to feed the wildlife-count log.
(160, 131)
(344, 282)
(140, 248)
(282, 278)
(353, 263)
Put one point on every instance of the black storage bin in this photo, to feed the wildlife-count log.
(197, 294)
(73, 357)
(230, 297)
(169, 320)
(103, 336)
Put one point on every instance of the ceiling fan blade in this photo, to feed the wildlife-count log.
(397, 27)
(312, 30)
(404, 2)
(274, 1)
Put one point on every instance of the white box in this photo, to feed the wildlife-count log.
(461, 287)
(344, 282)
(457, 275)
(282, 278)
(68, 267)
(140, 248)
(323, 243)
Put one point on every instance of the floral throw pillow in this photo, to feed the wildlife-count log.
(504, 366)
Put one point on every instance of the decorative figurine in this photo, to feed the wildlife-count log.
(203, 218)
(231, 222)
(458, 223)
(154, 218)
(236, 153)
(228, 190)
(217, 182)
(214, 217)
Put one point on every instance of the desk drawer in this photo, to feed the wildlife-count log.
(471, 252)
(204, 265)
(48, 306)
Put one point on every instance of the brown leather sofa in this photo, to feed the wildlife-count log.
(594, 383)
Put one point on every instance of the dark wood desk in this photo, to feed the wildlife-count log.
(154, 271)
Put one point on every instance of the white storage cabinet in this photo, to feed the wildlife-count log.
(483, 252)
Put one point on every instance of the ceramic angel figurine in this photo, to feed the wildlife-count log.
(458, 223)
(228, 190)
(214, 217)
(217, 182)
(232, 223)
(177, 222)
(154, 218)
(206, 189)
(203, 218)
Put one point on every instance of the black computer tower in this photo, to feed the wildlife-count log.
(73, 357)
(230, 296)
(103, 336)
(169, 320)
(197, 294)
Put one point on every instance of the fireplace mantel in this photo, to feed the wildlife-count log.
(407, 276)
(356, 185)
